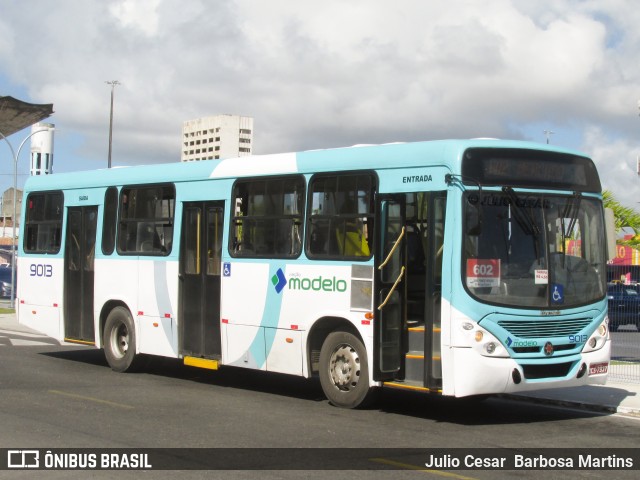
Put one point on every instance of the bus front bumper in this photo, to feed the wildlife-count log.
(476, 374)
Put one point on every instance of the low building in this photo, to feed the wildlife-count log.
(6, 216)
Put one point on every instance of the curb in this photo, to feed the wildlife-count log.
(562, 403)
(586, 406)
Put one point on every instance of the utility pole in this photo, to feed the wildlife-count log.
(15, 201)
(113, 84)
(548, 134)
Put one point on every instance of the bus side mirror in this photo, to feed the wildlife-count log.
(610, 232)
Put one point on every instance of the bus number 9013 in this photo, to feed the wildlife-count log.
(40, 270)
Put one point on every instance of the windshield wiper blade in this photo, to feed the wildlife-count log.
(571, 212)
(526, 222)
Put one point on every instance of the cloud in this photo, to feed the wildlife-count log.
(326, 74)
(617, 161)
(141, 15)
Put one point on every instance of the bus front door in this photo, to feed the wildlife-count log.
(390, 299)
(79, 274)
(199, 273)
(425, 245)
(407, 334)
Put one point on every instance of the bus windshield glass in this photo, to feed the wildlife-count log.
(533, 250)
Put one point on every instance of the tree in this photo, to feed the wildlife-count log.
(625, 217)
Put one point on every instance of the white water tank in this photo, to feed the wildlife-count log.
(42, 149)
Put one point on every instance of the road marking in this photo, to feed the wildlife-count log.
(408, 466)
(18, 342)
(21, 342)
(92, 399)
(6, 332)
(17, 338)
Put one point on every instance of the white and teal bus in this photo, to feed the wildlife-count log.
(454, 267)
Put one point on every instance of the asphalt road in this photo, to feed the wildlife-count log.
(54, 396)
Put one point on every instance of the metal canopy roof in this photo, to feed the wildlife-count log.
(16, 114)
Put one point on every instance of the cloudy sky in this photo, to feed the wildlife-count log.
(327, 74)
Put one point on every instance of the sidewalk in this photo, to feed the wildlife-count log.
(8, 322)
(614, 397)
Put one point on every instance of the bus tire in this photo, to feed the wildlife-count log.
(120, 340)
(344, 371)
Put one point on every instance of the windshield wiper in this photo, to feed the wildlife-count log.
(571, 211)
(524, 218)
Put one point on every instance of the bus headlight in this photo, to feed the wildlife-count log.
(482, 341)
(488, 345)
(602, 329)
(598, 338)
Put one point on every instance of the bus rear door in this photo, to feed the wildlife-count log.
(199, 294)
(79, 274)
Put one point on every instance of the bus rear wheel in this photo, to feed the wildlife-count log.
(120, 340)
(344, 373)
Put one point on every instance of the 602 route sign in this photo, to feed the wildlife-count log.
(483, 272)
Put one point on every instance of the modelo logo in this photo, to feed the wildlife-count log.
(40, 270)
(318, 284)
(511, 343)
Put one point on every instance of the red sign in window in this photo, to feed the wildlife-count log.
(483, 273)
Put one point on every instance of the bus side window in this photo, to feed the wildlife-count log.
(146, 220)
(43, 224)
(109, 222)
(340, 216)
(267, 217)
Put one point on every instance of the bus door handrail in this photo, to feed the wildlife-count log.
(393, 249)
(393, 288)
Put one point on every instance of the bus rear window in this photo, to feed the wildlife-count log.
(43, 225)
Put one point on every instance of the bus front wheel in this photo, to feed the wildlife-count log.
(344, 373)
(120, 340)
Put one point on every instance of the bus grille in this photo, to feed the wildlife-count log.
(533, 372)
(544, 328)
(538, 349)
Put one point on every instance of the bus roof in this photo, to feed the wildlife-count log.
(373, 157)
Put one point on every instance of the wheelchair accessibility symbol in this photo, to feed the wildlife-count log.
(557, 293)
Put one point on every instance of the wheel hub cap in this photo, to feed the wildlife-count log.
(345, 367)
(120, 340)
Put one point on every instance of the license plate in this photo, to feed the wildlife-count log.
(597, 368)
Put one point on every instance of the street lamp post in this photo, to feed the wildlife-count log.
(113, 84)
(16, 155)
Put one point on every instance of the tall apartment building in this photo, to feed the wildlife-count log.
(220, 136)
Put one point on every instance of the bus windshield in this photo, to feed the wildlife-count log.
(533, 250)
